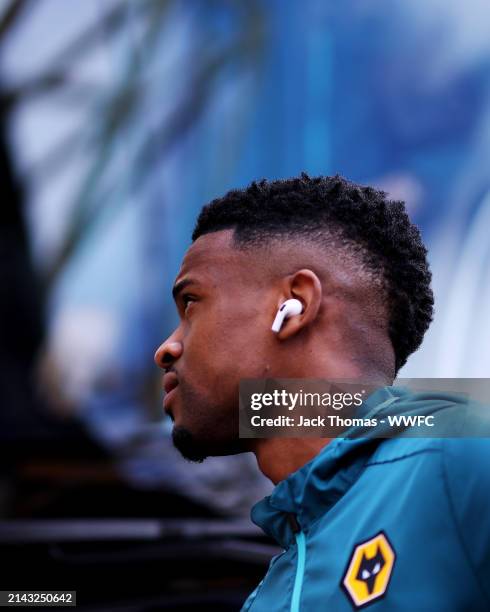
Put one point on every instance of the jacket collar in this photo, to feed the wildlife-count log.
(318, 485)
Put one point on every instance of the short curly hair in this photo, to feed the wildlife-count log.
(388, 242)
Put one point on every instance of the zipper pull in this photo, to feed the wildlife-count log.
(293, 522)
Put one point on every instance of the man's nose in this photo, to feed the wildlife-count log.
(168, 352)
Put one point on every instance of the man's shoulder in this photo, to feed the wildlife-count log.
(445, 424)
(468, 451)
(461, 464)
(397, 449)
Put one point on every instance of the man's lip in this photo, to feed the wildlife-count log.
(167, 398)
(170, 381)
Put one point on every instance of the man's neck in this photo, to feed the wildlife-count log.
(277, 458)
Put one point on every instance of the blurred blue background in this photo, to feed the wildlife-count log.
(122, 118)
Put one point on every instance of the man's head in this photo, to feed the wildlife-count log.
(350, 256)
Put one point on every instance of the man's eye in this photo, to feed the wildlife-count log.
(186, 300)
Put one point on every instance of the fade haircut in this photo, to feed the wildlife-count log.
(379, 229)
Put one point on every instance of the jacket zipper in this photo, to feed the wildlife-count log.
(300, 566)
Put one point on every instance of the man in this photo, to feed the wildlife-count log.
(395, 524)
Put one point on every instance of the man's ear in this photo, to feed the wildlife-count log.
(305, 286)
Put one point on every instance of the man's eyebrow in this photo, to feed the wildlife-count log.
(182, 284)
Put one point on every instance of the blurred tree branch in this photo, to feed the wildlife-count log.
(112, 112)
(15, 9)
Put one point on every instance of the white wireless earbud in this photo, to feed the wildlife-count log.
(287, 309)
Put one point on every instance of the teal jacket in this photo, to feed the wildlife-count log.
(384, 524)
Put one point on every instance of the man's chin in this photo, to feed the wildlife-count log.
(194, 450)
(185, 443)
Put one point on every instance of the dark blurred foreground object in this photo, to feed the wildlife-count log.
(28, 431)
(114, 560)
(138, 565)
(32, 438)
(23, 419)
